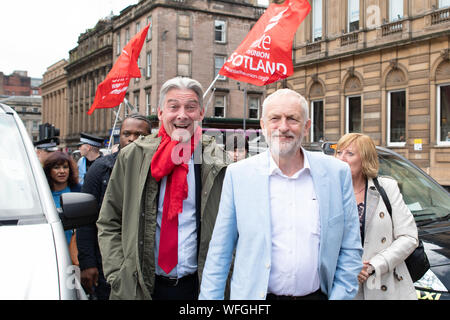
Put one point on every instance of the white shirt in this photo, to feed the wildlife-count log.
(187, 229)
(295, 225)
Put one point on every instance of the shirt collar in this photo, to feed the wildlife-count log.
(275, 170)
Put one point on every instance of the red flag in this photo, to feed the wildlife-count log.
(265, 55)
(111, 92)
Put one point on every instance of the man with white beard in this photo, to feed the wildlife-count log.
(291, 216)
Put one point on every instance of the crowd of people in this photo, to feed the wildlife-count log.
(184, 218)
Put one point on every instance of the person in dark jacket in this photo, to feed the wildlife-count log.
(95, 183)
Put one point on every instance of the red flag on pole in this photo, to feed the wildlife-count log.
(265, 55)
(111, 92)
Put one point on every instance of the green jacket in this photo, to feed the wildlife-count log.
(127, 220)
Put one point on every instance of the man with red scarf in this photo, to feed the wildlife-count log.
(161, 203)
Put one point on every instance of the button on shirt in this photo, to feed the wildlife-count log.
(295, 232)
(187, 229)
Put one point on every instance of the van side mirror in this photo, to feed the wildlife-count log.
(78, 209)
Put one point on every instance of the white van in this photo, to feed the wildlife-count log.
(34, 259)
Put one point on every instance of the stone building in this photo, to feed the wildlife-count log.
(187, 38)
(191, 38)
(54, 99)
(88, 65)
(16, 84)
(381, 68)
(28, 108)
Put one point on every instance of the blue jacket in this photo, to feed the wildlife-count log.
(244, 223)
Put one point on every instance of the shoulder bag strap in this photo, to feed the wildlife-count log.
(383, 195)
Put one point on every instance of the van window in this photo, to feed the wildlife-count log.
(19, 198)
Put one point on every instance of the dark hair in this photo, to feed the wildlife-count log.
(59, 158)
(140, 117)
(236, 141)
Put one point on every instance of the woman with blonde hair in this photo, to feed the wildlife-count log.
(387, 241)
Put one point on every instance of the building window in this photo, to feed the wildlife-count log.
(253, 107)
(353, 15)
(219, 106)
(317, 133)
(396, 126)
(126, 106)
(444, 3)
(118, 47)
(127, 36)
(136, 101)
(317, 20)
(443, 114)
(148, 72)
(353, 112)
(218, 63)
(136, 80)
(220, 34)
(395, 10)
(147, 102)
(138, 27)
(184, 63)
(184, 26)
(149, 33)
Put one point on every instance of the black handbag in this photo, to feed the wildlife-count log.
(417, 262)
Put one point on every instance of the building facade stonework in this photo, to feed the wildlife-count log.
(28, 108)
(54, 99)
(89, 63)
(381, 68)
(18, 84)
(187, 38)
(190, 38)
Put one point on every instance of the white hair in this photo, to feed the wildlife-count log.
(282, 92)
(181, 83)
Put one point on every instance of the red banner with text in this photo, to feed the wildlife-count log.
(265, 55)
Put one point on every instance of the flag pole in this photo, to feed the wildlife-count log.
(209, 101)
(209, 88)
(114, 126)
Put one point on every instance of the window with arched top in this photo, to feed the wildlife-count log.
(443, 103)
(353, 105)
(316, 95)
(396, 81)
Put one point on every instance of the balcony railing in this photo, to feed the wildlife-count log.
(349, 38)
(392, 28)
(440, 16)
(313, 47)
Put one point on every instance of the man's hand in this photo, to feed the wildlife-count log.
(89, 279)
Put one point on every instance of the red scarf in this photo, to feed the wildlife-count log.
(170, 160)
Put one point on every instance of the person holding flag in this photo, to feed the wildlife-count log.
(161, 203)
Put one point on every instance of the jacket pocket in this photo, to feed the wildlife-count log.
(124, 286)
